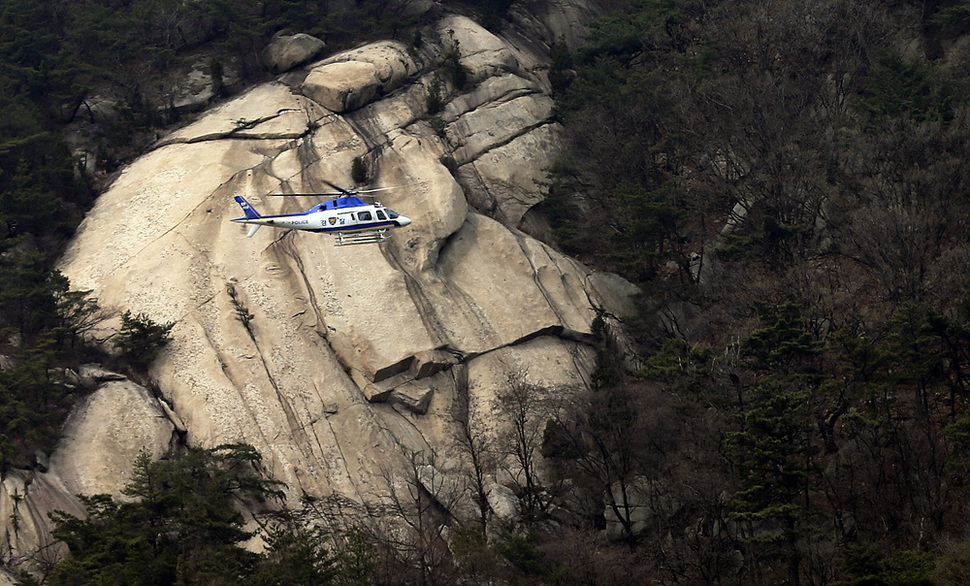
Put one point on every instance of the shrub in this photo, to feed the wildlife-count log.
(141, 339)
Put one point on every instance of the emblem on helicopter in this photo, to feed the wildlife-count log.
(350, 219)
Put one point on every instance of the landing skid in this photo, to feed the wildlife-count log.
(361, 237)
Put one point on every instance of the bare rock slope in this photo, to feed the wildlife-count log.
(354, 356)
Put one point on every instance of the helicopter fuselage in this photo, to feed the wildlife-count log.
(343, 214)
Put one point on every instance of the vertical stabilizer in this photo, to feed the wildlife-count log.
(251, 213)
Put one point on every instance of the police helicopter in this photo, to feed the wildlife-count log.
(349, 218)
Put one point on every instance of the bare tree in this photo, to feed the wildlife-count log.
(616, 443)
(527, 410)
(420, 503)
(479, 449)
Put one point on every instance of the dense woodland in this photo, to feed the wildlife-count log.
(784, 179)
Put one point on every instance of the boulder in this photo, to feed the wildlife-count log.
(91, 376)
(105, 433)
(413, 397)
(505, 138)
(504, 504)
(430, 362)
(497, 124)
(192, 90)
(355, 78)
(483, 53)
(288, 51)
(343, 86)
(102, 437)
(557, 21)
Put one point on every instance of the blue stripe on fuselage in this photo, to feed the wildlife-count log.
(353, 227)
(299, 215)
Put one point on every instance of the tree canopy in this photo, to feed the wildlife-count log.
(181, 523)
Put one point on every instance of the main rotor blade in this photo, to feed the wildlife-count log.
(329, 193)
(340, 189)
(379, 189)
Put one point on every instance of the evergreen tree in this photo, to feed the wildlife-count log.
(295, 555)
(183, 526)
(772, 452)
(140, 338)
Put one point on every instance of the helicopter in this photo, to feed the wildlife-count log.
(348, 217)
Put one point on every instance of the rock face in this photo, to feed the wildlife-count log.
(103, 436)
(25, 499)
(357, 355)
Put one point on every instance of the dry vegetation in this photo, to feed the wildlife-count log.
(785, 180)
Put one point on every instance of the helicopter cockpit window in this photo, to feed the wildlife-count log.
(391, 214)
(380, 215)
(363, 216)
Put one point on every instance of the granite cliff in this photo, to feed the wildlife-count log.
(354, 357)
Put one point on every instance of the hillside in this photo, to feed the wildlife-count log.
(786, 181)
(782, 181)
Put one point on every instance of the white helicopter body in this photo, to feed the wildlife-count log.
(349, 218)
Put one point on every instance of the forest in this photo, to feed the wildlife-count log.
(784, 180)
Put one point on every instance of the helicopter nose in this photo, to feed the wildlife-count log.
(403, 221)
